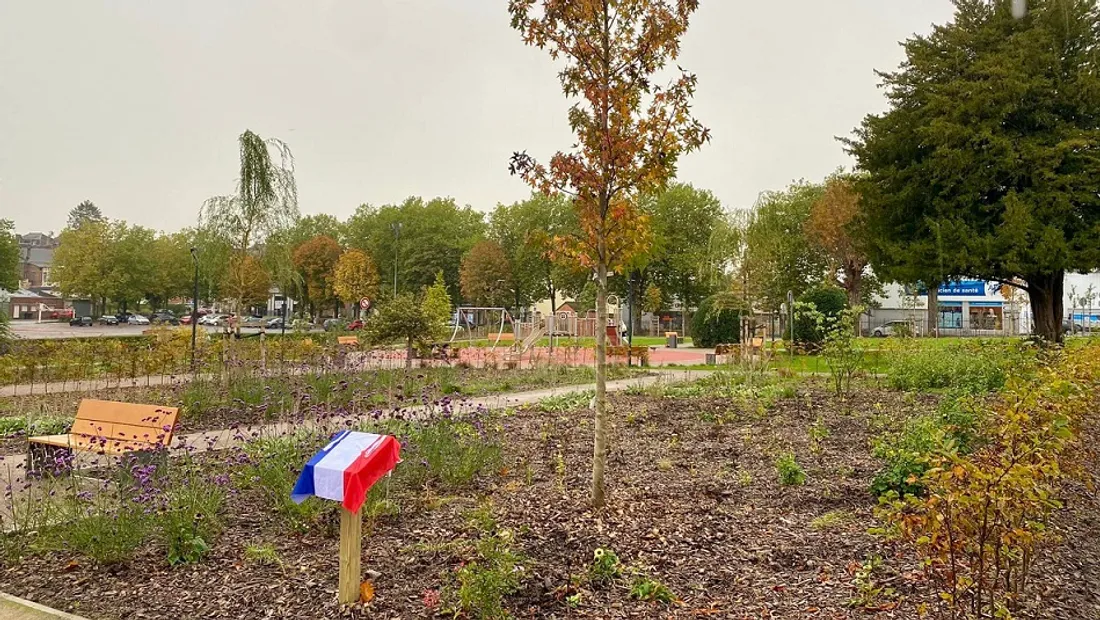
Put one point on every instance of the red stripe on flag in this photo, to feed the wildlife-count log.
(376, 461)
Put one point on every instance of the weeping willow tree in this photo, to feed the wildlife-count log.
(266, 202)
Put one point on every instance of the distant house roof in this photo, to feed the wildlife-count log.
(568, 306)
(29, 294)
(37, 239)
(38, 256)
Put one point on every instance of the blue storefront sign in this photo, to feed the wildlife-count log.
(964, 288)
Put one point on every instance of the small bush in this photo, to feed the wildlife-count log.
(974, 367)
(985, 515)
(13, 426)
(495, 571)
(906, 454)
(273, 467)
(449, 452)
(568, 402)
(605, 567)
(17, 426)
(263, 554)
(790, 472)
(827, 300)
(649, 589)
(191, 518)
(107, 536)
(716, 321)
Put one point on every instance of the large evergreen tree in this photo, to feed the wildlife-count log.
(84, 212)
(986, 162)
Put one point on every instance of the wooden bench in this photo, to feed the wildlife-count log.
(637, 352)
(348, 341)
(112, 428)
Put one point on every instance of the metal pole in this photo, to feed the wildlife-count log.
(396, 250)
(194, 307)
(629, 318)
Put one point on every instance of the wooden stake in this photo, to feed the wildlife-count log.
(351, 550)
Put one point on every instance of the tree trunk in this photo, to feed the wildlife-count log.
(1045, 292)
(931, 321)
(853, 284)
(599, 455)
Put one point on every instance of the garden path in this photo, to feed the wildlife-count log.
(224, 438)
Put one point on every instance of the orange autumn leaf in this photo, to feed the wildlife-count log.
(366, 592)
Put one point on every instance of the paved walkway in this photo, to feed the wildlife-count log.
(356, 363)
(221, 439)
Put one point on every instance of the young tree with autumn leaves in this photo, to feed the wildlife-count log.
(355, 277)
(833, 225)
(486, 276)
(630, 134)
(316, 261)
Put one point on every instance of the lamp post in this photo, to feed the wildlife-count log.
(629, 317)
(396, 237)
(194, 306)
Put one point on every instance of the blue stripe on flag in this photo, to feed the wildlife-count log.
(303, 488)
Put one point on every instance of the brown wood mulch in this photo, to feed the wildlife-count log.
(694, 502)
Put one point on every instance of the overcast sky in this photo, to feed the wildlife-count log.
(137, 104)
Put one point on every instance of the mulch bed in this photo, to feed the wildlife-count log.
(694, 502)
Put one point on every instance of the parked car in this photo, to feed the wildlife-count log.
(220, 320)
(123, 317)
(355, 325)
(164, 317)
(137, 319)
(895, 328)
(83, 321)
(185, 319)
(215, 319)
(108, 320)
(333, 325)
(253, 321)
(275, 323)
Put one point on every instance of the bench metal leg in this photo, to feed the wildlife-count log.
(48, 459)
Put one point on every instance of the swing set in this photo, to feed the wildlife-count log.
(470, 319)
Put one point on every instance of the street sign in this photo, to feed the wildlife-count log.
(364, 303)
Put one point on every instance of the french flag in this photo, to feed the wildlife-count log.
(347, 468)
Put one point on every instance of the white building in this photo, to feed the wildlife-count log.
(981, 308)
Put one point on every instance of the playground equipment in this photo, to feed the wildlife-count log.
(472, 317)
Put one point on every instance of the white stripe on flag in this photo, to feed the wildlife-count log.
(328, 474)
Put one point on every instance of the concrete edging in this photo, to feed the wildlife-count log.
(36, 610)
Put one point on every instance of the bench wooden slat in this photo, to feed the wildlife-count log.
(110, 427)
(127, 413)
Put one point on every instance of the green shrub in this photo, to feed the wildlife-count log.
(50, 426)
(829, 301)
(13, 426)
(495, 571)
(605, 567)
(790, 472)
(906, 454)
(973, 367)
(716, 321)
(191, 518)
(566, 403)
(107, 536)
(449, 452)
(274, 464)
(649, 589)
